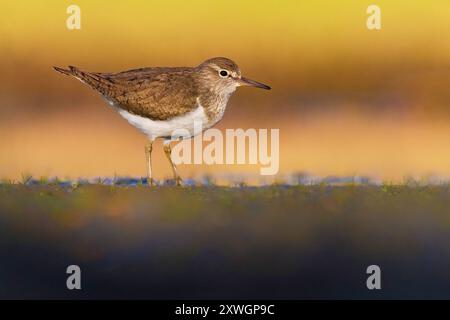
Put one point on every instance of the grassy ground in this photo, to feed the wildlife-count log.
(216, 242)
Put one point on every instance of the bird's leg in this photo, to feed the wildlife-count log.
(148, 155)
(168, 152)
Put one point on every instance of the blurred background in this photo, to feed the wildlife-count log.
(347, 101)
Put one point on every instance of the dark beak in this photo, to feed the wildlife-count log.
(247, 82)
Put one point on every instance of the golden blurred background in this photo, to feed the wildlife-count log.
(347, 101)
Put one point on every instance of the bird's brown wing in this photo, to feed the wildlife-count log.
(155, 93)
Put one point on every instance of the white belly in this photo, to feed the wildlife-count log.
(185, 126)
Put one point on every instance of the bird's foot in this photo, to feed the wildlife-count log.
(176, 181)
(150, 182)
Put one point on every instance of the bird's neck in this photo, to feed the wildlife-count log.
(214, 104)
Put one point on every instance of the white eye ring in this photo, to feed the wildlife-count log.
(223, 73)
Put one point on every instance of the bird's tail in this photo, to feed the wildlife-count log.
(63, 71)
(75, 72)
(94, 80)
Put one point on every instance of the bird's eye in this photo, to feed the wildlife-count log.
(223, 73)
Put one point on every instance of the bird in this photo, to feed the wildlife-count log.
(160, 101)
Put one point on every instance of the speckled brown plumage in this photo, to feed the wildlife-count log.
(155, 93)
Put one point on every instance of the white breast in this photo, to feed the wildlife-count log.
(187, 125)
(184, 124)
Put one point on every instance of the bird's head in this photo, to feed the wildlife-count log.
(223, 76)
